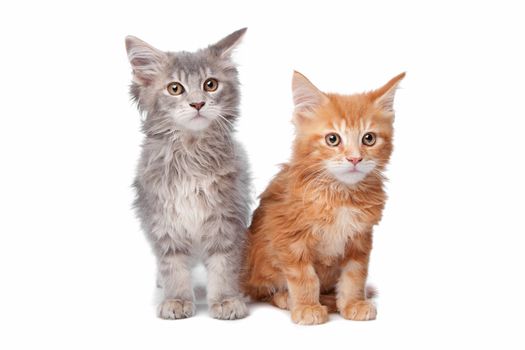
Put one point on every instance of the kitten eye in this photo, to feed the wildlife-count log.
(369, 139)
(175, 89)
(332, 139)
(210, 85)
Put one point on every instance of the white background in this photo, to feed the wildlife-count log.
(77, 272)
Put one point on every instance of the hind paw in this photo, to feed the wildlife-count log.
(280, 299)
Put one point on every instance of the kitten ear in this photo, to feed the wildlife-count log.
(225, 46)
(306, 96)
(145, 60)
(384, 96)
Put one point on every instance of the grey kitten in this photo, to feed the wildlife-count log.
(192, 184)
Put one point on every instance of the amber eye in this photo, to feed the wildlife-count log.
(211, 85)
(175, 89)
(332, 139)
(369, 139)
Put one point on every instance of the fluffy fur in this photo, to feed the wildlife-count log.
(192, 181)
(310, 239)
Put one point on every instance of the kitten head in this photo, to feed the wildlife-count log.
(185, 90)
(343, 137)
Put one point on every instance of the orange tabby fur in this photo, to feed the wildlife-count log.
(310, 239)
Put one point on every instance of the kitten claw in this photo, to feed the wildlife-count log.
(310, 314)
(364, 310)
(229, 309)
(173, 309)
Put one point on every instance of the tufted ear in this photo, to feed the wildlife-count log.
(306, 96)
(384, 96)
(225, 46)
(145, 60)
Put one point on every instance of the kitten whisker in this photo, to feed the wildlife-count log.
(225, 119)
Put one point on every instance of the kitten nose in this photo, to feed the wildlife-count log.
(353, 160)
(197, 105)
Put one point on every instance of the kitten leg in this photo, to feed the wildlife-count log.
(223, 249)
(351, 289)
(303, 289)
(224, 299)
(175, 271)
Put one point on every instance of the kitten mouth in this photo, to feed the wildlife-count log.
(354, 170)
(198, 116)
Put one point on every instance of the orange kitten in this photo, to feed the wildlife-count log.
(310, 240)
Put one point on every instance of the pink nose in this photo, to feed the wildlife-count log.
(197, 105)
(354, 161)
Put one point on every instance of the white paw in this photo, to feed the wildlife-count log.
(172, 309)
(229, 309)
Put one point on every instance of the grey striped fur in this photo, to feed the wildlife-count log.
(192, 183)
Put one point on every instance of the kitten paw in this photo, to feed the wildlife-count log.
(229, 309)
(310, 314)
(364, 310)
(172, 309)
(280, 299)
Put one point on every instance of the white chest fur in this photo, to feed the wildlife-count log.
(193, 203)
(184, 206)
(335, 236)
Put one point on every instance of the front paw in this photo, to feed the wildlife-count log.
(172, 309)
(363, 310)
(310, 314)
(229, 309)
